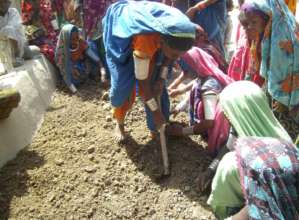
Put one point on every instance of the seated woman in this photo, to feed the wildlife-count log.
(246, 107)
(273, 40)
(258, 180)
(204, 111)
(71, 57)
(41, 26)
(11, 28)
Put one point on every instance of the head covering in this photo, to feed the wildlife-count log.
(250, 8)
(246, 107)
(269, 175)
(125, 19)
(63, 55)
(203, 65)
(279, 51)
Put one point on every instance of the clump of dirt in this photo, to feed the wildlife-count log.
(74, 169)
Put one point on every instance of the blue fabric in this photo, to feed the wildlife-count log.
(269, 171)
(213, 20)
(276, 64)
(123, 20)
(63, 54)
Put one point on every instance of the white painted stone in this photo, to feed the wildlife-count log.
(36, 82)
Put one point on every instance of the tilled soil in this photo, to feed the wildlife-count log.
(74, 169)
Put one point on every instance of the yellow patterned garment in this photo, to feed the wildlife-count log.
(292, 5)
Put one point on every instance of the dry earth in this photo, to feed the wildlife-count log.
(74, 169)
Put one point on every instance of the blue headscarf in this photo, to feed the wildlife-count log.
(63, 53)
(279, 50)
(123, 20)
(213, 19)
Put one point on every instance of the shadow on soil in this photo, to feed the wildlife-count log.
(187, 158)
(14, 179)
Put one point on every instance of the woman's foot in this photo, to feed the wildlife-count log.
(120, 134)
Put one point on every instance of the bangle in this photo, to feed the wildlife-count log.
(213, 166)
(152, 104)
(164, 72)
(188, 130)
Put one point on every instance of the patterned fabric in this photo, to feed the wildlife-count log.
(280, 52)
(292, 4)
(269, 174)
(40, 16)
(246, 107)
(240, 67)
(93, 11)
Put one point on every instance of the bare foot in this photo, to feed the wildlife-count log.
(120, 134)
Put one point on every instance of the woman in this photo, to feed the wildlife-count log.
(272, 29)
(260, 178)
(246, 108)
(40, 25)
(141, 39)
(196, 63)
(72, 56)
(211, 15)
(203, 42)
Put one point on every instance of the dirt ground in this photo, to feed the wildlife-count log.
(74, 169)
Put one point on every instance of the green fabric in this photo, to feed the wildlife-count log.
(246, 107)
(297, 141)
(226, 194)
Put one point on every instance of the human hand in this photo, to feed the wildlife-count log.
(204, 180)
(174, 130)
(174, 112)
(174, 92)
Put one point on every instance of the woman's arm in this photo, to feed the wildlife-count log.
(177, 81)
(179, 91)
(198, 7)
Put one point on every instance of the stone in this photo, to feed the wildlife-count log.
(90, 169)
(59, 162)
(91, 149)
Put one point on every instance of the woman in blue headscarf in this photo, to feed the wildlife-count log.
(211, 15)
(275, 55)
(141, 39)
(73, 56)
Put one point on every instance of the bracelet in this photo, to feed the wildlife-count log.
(213, 166)
(164, 72)
(152, 104)
(188, 130)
